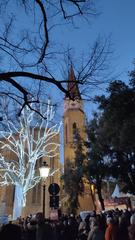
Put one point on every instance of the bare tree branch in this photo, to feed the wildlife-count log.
(46, 39)
(28, 143)
(28, 50)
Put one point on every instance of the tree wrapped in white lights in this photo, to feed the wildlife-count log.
(33, 139)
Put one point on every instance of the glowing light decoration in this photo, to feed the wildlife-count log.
(28, 144)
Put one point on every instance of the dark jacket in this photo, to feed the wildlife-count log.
(123, 232)
(96, 234)
(131, 232)
(44, 232)
(11, 231)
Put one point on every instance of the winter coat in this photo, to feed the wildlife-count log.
(123, 232)
(131, 232)
(95, 234)
(44, 232)
(11, 231)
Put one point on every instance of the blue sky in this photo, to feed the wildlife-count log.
(117, 19)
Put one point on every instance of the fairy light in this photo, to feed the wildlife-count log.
(28, 144)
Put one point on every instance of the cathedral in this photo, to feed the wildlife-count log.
(73, 118)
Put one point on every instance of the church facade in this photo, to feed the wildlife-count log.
(73, 118)
(34, 197)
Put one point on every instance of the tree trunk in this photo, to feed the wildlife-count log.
(18, 202)
(131, 184)
(100, 194)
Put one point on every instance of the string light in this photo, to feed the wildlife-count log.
(28, 144)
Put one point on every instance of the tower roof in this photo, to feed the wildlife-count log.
(72, 86)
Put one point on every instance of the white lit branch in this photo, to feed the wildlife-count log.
(33, 139)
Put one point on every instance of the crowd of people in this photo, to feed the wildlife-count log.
(110, 225)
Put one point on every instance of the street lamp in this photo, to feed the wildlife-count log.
(44, 173)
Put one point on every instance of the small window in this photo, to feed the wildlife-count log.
(66, 133)
(36, 194)
(74, 132)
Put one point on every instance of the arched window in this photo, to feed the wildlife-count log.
(66, 133)
(36, 194)
(74, 132)
(36, 191)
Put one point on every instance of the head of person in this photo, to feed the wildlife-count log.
(39, 217)
(94, 223)
(123, 220)
(109, 220)
(92, 218)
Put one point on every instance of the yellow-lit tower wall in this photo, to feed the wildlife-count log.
(74, 117)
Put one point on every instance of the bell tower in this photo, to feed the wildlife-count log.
(74, 119)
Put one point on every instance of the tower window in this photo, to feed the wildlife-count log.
(74, 132)
(66, 133)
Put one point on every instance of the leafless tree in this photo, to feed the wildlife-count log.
(27, 143)
(28, 52)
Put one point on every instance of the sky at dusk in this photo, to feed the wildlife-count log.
(116, 19)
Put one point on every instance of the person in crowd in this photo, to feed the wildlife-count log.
(102, 221)
(59, 230)
(65, 233)
(131, 229)
(127, 214)
(123, 228)
(111, 232)
(71, 228)
(128, 203)
(43, 228)
(30, 230)
(95, 232)
(11, 231)
(82, 232)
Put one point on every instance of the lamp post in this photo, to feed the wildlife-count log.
(44, 173)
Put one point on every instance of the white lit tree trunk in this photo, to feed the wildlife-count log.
(33, 139)
(18, 202)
